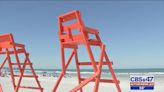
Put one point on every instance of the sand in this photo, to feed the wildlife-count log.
(68, 83)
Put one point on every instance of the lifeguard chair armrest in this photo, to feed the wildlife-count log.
(17, 44)
(91, 30)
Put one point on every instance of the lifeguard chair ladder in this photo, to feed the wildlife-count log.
(67, 24)
(8, 47)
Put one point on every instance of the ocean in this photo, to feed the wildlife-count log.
(105, 72)
(88, 72)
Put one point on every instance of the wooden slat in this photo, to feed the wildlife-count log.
(91, 30)
(70, 46)
(21, 63)
(94, 42)
(18, 45)
(68, 16)
(72, 26)
(12, 52)
(37, 88)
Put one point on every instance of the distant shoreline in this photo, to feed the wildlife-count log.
(88, 72)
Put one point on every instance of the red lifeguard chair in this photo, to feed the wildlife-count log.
(68, 23)
(8, 47)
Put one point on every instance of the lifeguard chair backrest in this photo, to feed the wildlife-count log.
(6, 39)
(70, 21)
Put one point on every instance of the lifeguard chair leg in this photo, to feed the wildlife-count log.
(97, 82)
(64, 68)
(63, 57)
(17, 59)
(112, 73)
(78, 68)
(4, 62)
(11, 69)
(92, 60)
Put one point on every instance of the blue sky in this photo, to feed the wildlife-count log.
(133, 31)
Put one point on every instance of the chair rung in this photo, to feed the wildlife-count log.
(103, 80)
(21, 63)
(37, 88)
(94, 42)
(70, 46)
(91, 30)
(27, 76)
(12, 52)
(89, 63)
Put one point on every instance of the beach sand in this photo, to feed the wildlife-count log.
(68, 83)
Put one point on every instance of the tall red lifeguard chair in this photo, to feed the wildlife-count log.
(8, 47)
(68, 23)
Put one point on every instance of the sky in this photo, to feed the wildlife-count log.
(133, 31)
